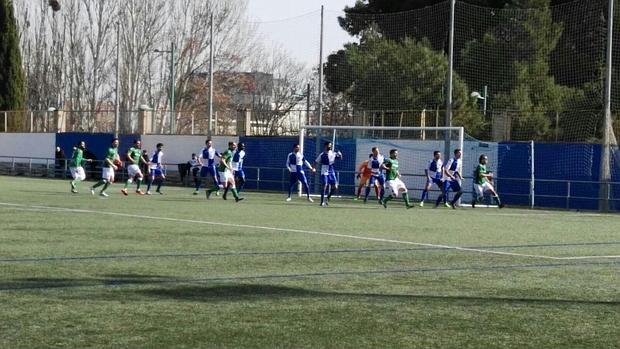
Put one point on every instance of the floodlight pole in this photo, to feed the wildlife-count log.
(210, 130)
(172, 87)
(450, 74)
(117, 84)
(605, 173)
(321, 72)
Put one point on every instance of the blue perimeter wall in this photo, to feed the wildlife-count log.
(562, 162)
(553, 161)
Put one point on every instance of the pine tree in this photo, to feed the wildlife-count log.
(12, 84)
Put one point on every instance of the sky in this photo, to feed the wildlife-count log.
(295, 26)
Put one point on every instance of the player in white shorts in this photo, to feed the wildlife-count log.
(394, 185)
(75, 166)
(482, 182)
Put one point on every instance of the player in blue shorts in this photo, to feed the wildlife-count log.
(328, 174)
(434, 174)
(452, 178)
(157, 170)
(295, 162)
(207, 161)
(377, 179)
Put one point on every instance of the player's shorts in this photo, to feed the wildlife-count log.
(226, 176)
(481, 188)
(437, 181)
(134, 170)
(239, 173)
(298, 176)
(329, 178)
(157, 173)
(455, 186)
(208, 171)
(77, 173)
(108, 173)
(380, 179)
(395, 186)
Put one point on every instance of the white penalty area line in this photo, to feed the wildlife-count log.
(24, 207)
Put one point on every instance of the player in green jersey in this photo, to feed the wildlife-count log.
(483, 182)
(107, 175)
(134, 159)
(394, 185)
(75, 165)
(225, 172)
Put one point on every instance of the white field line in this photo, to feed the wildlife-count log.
(402, 242)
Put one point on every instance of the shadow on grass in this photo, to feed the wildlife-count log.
(42, 283)
(256, 292)
(273, 292)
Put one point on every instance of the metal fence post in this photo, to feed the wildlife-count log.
(567, 195)
(257, 178)
(31, 121)
(6, 123)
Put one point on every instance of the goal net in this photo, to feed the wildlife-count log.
(414, 144)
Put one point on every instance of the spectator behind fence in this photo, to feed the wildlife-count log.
(194, 165)
(144, 167)
(61, 162)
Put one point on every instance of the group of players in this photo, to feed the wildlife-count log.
(447, 177)
(137, 165)
(227, 173)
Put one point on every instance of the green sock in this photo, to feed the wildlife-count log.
(105, 186)
(406, 197)
(127, 183)
(388, 198)
(235, 194)
(138, 183)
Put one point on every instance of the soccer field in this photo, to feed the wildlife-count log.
(180, 271)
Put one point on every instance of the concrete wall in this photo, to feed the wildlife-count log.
(38, 145)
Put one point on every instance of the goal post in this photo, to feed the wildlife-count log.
(415, 144)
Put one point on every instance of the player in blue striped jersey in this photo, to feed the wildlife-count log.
(207, 161)
(295, 162)
(328, 174)
(377, 179)
(237, 165)
(157, 170)
(452, 178)
(434, 174)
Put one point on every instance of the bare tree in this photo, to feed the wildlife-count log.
(272, 109)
